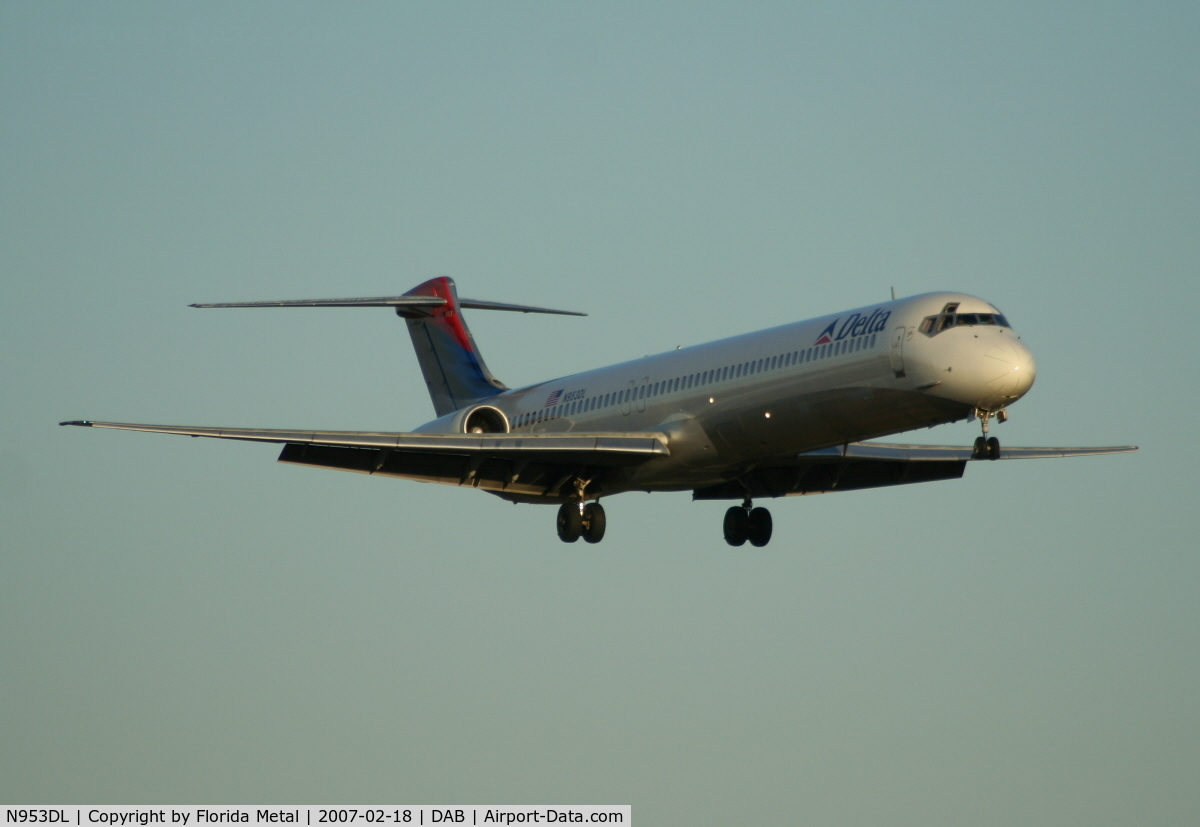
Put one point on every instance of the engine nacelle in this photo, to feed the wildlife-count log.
(483, 419)
(477, 419)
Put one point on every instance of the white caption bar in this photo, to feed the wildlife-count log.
(451, 815)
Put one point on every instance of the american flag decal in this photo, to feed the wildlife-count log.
(553, 398)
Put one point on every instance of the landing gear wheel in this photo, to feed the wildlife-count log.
(759, 525)
(737, 526)
(593, 522)
(981, 448)
(570, 522)
(993, 448)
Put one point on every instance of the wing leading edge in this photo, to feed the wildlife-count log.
(859, 465)
(597, 448)
(933, 453)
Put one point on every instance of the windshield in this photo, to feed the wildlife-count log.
(950, 317)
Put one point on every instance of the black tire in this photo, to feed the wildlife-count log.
(993, 448)
(594, 522)
(759, 527)
(570, 522)
(737, 526)
(981, 449)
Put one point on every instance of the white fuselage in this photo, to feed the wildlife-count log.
(729, 405)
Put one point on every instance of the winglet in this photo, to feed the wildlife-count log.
(84, 422)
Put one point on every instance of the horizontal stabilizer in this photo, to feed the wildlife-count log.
(929, 453)
(415, 302)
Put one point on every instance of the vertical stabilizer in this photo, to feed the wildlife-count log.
(453, 369)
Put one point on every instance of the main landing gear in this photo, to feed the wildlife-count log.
(987, 447)
(742, 523)
(577, 520)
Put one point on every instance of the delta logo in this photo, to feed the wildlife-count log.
(856, 325)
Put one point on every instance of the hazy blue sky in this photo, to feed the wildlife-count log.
(188, 621)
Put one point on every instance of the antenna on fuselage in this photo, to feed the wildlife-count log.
(893, 294)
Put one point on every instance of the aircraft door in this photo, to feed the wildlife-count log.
(641, 394)
(897, 352)
(627, 397)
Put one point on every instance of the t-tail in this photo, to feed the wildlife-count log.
(454, 370)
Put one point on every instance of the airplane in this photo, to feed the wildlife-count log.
(786, 411)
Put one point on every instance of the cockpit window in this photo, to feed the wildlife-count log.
(949, 317)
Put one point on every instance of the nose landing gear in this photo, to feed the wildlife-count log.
(742, 523)
(987, 447)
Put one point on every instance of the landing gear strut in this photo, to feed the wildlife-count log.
(987, 447)
(743, 522)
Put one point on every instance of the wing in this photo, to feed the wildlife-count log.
(869, 465)
(517, 466)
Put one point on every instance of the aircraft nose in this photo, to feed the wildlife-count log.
(1011, 368)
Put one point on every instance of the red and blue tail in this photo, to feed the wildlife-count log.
(453, 369)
